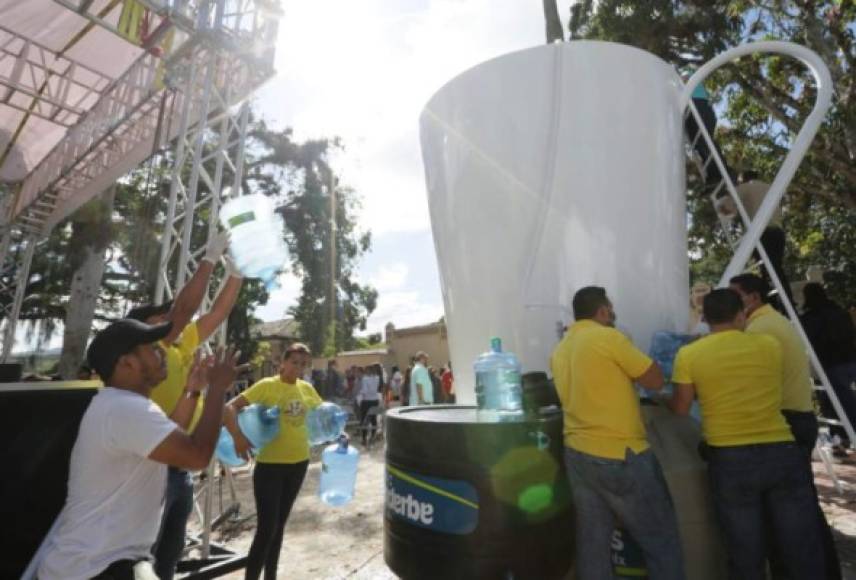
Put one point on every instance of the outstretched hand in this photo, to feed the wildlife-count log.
(197, 379)
(225, 368)
(231, 268)
(217, 244)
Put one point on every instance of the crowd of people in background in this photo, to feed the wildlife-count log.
(372, 388)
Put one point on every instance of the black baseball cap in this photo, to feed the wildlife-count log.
(143, 313)
(120, 338)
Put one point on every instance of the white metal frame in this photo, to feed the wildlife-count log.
(753, 228)
(227, 55)
(231, 40)
(218, 71)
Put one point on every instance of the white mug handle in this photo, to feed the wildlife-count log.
(800, 145)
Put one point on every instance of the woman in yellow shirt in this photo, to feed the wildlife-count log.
(282, 463)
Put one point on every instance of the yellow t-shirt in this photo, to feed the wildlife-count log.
(179, 360)
(738, 382)
(593, 367)
(796, 380)
(293, 400)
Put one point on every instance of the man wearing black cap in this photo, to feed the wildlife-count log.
(170, 395)
(117, 472)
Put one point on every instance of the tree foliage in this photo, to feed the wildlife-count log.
(332, 304)
(762, 103)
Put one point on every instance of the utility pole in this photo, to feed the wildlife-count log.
(552, 22)
(333, 241)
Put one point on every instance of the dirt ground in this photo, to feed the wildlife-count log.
(322, 542)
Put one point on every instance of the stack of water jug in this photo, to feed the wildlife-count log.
(326, 422)
(499, 390)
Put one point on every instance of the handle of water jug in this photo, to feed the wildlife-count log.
(800, 145)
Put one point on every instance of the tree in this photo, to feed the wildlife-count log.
(553, 24)
(300, 176)
(764, 101)
(92, 232)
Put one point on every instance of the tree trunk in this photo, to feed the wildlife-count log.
(553, 25)
(90, 239)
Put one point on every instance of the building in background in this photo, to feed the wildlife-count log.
(399, 345)
(278, 334)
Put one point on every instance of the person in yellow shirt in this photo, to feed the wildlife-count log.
(762, 318)
(754, 465)
(796, 388)
(183, 406)
(281, 464)
(614, 474)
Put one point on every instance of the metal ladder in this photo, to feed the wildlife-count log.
(727, 226)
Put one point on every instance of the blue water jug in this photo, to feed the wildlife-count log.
(664, 348)
(225, 450)
(258, 423)
(325, 423)
(257, 245)
(499, 390)
(338, 473)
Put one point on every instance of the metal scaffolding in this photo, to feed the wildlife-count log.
(194, 97)
(223, 52)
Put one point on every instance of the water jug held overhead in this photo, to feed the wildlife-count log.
(257, 246)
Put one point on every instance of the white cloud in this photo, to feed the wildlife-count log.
(364, 70)
(402, 309)
(390, 277)
(281, 299)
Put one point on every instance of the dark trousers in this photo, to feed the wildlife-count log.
(751, 481)
(841, 377)
(177, 507)
(633, 491)
(774, 243)
(708, 118)
(366, 419)
(804, 428)
(276, 486)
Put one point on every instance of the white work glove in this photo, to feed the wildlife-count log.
(231, 268)
(217, 244)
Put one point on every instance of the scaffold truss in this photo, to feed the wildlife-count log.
(217, 53)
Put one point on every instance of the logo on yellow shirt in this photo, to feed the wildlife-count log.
(294, 412)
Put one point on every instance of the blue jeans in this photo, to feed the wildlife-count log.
(749, 481)
(177, 507)
(633, 492)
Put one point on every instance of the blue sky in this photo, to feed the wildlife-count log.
(363, 70)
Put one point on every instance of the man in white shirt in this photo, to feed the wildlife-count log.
(368, 397)
(117, 471)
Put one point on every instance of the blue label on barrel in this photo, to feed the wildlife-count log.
(442, 505)
(627, 558)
